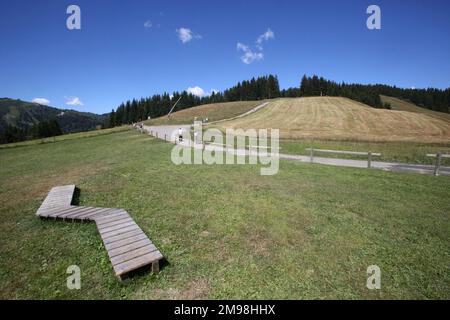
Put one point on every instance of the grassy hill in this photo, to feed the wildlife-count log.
(214, 112)
(344, 119)
(226, 231)
(24, 114)
(402, 105)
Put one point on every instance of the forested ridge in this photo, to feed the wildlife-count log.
(267, 87)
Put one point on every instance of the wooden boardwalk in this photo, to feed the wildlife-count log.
(127, 245)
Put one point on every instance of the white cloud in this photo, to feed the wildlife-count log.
(251, 55)
(186, 35)
(42, 101)
(266, 36)
(197, 91)
(74, 101)
(148, 24)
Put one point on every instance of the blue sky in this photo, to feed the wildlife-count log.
(132, 49)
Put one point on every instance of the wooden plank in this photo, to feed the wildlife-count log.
(344, 152)
(136, 263)
(124, 242)
(435, 155)
(108, 235)
(69, 212)
(129, 247)
(130, 255)
(122, 236)
(90, 212)
(117, 227)
(113, 213)
(114, 223)
(65, 209)
(111, 217)
(94, 215)
(45, 211)
(73, 215)
(62, 211)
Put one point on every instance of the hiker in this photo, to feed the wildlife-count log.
(195, 137)
(180, 135)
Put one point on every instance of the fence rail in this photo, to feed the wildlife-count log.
(369, 154)
(438, 157)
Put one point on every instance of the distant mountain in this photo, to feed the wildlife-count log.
(24, 115)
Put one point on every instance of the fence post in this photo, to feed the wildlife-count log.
(369, 159)
(156, 134)
(312, 154)
(438, 163)
(165, 136)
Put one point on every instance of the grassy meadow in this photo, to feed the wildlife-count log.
(227, 232)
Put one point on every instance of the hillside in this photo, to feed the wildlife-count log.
(214, 112)
(24, 114)
(402, 105)
(344, 119)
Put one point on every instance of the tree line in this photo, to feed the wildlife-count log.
(131, 111)
(267, 87)
(431, 98)
(43, 129)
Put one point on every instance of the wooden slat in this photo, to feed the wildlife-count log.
(63, 211)
(129, 247)
(74, 214)
(124, 242)
(126, 226)
(121, 258)
(122, 224)
(94, 215)
(122, 236)
(107, 235)
(72, 211)
(136, 263)
(116, 222)
(90, 212)
(44, 212)
(111, 215)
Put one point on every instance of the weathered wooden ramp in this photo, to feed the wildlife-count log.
(127, 245)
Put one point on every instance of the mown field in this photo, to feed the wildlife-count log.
(310, 231)
(214, 112)
(401, 105)
(335, 118)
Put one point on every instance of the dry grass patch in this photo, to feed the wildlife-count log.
(214, 112)
(343, 119)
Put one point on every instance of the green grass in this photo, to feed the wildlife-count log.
(404, 152)
(70, 136)
(310, 231)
